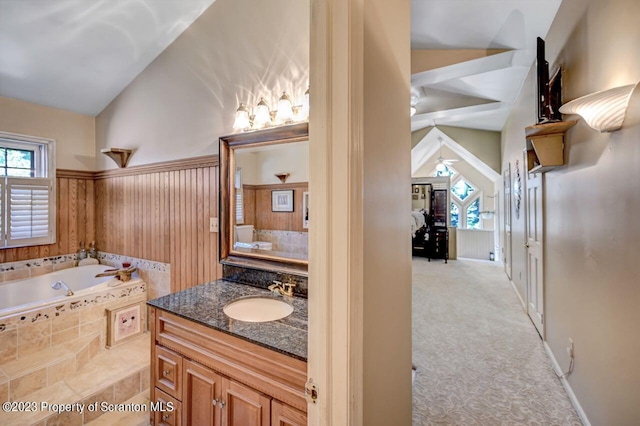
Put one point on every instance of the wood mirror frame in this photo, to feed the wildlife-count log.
(228, 144)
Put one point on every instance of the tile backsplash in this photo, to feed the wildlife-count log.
(284, 241)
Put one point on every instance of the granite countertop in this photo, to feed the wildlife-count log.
(203, 304)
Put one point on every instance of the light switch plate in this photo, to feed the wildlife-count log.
(213, 224)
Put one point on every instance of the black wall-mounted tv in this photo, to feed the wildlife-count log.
(549, 88)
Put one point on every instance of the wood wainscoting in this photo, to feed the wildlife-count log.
(75, 219)
(161, 212)
(157, 212)
(257, 206)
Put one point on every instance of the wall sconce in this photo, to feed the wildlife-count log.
(602, 111)
(287, 113)
(282, 176)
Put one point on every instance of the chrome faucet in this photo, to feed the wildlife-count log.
(60, 284)
(283, 289)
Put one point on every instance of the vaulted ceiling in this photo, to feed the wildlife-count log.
(469, 57)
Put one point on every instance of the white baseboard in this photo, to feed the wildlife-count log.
(567, 387)
(524, 305)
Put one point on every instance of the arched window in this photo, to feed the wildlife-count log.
(465, 199)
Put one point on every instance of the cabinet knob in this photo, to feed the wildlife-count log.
(214, 402)
(165, 417)
(165, 373)
(222, 404)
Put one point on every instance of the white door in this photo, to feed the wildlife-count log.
(534, 249)
(506, 247)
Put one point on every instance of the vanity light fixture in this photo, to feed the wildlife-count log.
(242, 118)
(602, 111)
(285, 109)
(305, 104)
(286, 113)
(263, 115)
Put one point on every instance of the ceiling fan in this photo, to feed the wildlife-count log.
(442, 163)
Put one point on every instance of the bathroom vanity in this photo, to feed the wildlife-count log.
(208, 368)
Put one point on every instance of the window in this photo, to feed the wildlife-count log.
(239, 197)
(473, 215)
(455, 215)
(27, 191)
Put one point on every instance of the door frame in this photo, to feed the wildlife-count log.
(507, 221)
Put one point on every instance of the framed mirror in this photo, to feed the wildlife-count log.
(264, 184)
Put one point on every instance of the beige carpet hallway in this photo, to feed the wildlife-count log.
(479, 359)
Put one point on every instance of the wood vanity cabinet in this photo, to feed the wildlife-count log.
(212, 378)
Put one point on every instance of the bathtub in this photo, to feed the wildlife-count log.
(36, 292)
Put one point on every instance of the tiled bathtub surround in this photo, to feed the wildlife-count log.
(262, 279)
(33, 267)
(157, 275)
(26, 333)
(284, 241)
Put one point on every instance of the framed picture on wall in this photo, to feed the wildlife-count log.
(282, 200)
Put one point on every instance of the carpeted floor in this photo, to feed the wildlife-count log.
(479, 358)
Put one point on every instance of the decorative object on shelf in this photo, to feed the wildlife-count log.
(282, 200)
(285, 114)
(119, 155)
(517, 189)
(602, 111)
(282, 176)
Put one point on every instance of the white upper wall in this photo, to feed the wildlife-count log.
(259, 165)
(236, 51)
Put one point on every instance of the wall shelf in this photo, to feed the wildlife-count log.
(119, 155)
(545, 145)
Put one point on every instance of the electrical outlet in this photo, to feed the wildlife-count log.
(570, 348)
(213, 224)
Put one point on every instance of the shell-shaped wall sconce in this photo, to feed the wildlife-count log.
(602, 111)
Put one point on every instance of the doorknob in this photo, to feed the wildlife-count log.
(527, 245)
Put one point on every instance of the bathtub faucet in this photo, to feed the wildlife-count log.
(60, 284)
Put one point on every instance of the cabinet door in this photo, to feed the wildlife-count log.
(284, 415)
(200, 395)
(168, 372)
(244, 406)
(167, 411)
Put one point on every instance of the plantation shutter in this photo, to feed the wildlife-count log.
(239, 197)
(28, 203)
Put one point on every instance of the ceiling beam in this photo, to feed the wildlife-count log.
(430, 59)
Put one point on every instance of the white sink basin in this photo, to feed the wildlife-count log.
(258, 309)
